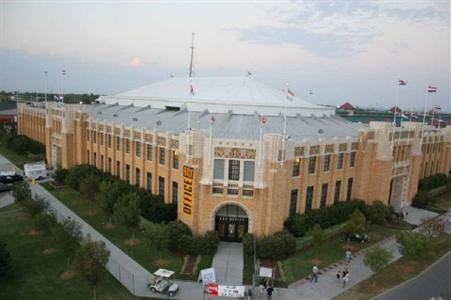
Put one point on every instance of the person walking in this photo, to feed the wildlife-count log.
(315, 271)
(348, 255)
(269, 291)
(338, 275)
(346, 278)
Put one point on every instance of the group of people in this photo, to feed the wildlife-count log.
(343, 275)
(266, 286)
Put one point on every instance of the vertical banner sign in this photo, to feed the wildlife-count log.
(188, 191)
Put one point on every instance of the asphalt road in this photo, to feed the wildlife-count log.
(435, 282)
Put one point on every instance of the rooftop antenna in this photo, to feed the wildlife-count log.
(192, 56)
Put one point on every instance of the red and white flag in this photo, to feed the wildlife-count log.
(263, 120)
(290, 94)
(211, 119)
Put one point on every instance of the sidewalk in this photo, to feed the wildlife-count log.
(6, 199)
(228, 263)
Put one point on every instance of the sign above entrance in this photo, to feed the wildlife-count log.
(188, 191)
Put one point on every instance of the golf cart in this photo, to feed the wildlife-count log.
(159, 283)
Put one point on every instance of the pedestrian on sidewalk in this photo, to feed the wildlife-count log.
(315, 271)
(338, 275)
(269, 291)
(346, 279)
(348, 255)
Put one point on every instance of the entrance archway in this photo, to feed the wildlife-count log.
(231, 221)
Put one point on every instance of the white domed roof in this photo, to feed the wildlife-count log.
(242, 95)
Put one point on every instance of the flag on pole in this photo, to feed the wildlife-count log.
(211, 119)
(249, 73)
(402, 82)
(432, 89)
(437, 107)
(404, 116)
(63, 72)
(191, 90)
(55, 98)
(263, 120)
(413, 115)
(290, 94)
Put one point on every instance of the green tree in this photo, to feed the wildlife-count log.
(127, 211)
(5, 260)
(108, 196)
(377, 259)
(68, 237)
(157, 235)
(60, 175)
(21, 192)
(92, 257)
(357, 223)
(412, 243)
(318, 235)
(89, 186)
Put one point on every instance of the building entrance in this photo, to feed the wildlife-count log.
(231, 222)
(397, 195)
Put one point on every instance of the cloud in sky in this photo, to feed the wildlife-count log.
(344, 50)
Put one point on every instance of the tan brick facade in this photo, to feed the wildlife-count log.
(362, 166)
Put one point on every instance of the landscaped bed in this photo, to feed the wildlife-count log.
(143, 253)
(38, 265)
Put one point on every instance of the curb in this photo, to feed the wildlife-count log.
(413, 278)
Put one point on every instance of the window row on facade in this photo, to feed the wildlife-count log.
(326, 163)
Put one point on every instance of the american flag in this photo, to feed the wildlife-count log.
(402, 82)
(432, 89)
(263, 120)
(191, 90)
(290, 94)
(436, 107)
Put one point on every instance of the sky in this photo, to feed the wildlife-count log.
(342, 51)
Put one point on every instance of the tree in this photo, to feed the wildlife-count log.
(60, 175)
(127, 211)
(377, 259)
(21, 192)
(412, 243)
(377, 213)
(357, 223)
(157, 236)
(318, 235)
(109, 193)
(68, 236)
(89, 186)
(45, 222)
(5, 260)
(92, 257)
(36, 206)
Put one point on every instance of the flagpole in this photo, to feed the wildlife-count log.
(433, 115)
(188, 136)
(45, 86)
(284, 135)
(424, 117)
(260, 143)
(210, 143)
(394, 119)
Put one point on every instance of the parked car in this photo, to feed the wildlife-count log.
(5, 179)
(159, 283)
(358, 238)
(4, 188)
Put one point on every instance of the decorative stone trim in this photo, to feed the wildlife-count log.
(235, 153)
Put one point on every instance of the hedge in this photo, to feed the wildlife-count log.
(432, 182)
(298, 225)
(278, 246)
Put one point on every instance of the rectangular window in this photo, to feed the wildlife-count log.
(137, 177)
(293, 202)
(349, 192)
(234, 169)
(249, 171)
(149, 152)
(323, 195)
(118, 143)
(161, 186)
(94, 137)
(89, 157)
(138, 149)
(94, 162)
(127, 146)
(296, 166)
(326, 165)
(101, 138)
(337, 191)
(162, 153)
(340, 161)
(312, 165)
(87, 135)
(175, 192)
(127, 173)
(175, 160)
(109, 140)
(352, 160)
(118, 168)
(109, 164)
(149, 182)
(309, 199)
(218, 171)
(101, 162)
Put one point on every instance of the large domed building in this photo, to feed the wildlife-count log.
(236, 155)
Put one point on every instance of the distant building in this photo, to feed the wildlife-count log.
(395, 109)
(215, 146)
(347, 107)
(8, 110)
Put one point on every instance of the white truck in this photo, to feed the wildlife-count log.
(36, 170)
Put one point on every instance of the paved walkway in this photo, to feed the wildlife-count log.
(415, 215)
(228, 263)
(6, 199)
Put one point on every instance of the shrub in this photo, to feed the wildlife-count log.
(45, 222)
(60, 175)
(21, 192)
(412, 243)
(77, 173)
(180, 236)
(36, 206)
(277, 246)
(377, 213)
(5, 260)
(421, 199)
(89, 186)
(248, 243)
(298, 225)
(357, 223)
(432, 182)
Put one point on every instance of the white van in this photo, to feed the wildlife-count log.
(36, 170)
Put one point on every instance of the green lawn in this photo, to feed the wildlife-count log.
(331, 251)
(37, 276)
(142, 253)
(398, 272)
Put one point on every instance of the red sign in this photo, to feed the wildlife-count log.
(212, 289)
